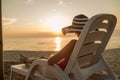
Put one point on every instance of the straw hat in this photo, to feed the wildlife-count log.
(77, 24)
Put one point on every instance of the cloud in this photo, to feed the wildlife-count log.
(29, 1)
(61, 2)
(7, 21)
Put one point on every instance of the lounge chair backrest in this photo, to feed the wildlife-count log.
(92, 41)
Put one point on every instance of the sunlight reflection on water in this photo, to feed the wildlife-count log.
(58, 43)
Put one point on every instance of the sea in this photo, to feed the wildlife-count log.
(46, 43)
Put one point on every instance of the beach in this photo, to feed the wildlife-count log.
(12, 57)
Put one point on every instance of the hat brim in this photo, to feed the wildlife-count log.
(70, 29)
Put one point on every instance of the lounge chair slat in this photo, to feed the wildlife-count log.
(101, 24)
(95, 36)
(88, 49)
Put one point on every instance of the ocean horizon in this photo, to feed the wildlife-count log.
(46, 43)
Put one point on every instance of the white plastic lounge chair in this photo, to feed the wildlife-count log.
(86, 58)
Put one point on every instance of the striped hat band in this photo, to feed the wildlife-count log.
(79, 22)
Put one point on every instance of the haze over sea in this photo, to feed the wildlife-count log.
(46, 43)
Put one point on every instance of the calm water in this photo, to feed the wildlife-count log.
(46, 43)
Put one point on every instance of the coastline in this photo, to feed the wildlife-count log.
(12, 57)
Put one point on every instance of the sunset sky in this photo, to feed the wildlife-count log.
(31, 17)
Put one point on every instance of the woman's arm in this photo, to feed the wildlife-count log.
(66, 51)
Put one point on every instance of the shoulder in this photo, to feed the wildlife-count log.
(73, 41)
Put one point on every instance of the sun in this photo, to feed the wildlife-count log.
(56, 23)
